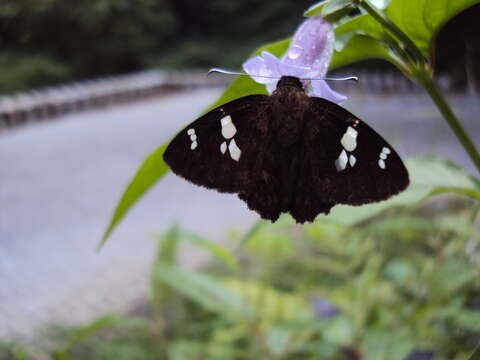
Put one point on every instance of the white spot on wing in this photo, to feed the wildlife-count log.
(226, 120)
(235, 151)
(383, 157)
(349, 139)
(352, 132)
(223, 147)
(191, 131)
(341, 162)
(228, 128)
(194, 145)
(193, 137)
(352, 160)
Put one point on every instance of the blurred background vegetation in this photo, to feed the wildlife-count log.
(46, 42)
(319, 291)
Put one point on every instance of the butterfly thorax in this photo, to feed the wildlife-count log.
(288, 105)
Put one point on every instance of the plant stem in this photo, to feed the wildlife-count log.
(394, 29)
(420, 73)
(448, 114)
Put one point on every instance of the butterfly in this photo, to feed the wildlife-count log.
(287, 153)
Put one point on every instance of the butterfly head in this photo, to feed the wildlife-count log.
(290, 81)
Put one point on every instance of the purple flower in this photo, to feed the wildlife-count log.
(307, 57)
(323, 308)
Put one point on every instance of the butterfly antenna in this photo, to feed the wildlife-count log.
(221, 71)
(228, 72)
(346, 78)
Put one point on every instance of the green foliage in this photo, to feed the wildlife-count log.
(334, 10)
(415, 26)
(421, 20)
(24, 72)
(398, 283)
(428, 176)
(357, 48)
(13, 352)
(94, 38)
(78, 336)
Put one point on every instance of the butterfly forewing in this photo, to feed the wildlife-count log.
(349, 162)
(224, 148)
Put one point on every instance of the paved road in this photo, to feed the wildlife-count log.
(60, 180)
(59, 183)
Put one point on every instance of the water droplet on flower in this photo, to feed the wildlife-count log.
(294, 52)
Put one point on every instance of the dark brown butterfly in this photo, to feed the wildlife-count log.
(287, 153)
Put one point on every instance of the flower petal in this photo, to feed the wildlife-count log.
(293, 70)
(272, 63)
(271, 87)
(256, 66)
(312, 46)
(321, 89)
(307, 57)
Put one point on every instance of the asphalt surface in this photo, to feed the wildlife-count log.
(60, 180)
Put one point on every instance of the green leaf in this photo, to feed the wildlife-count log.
(334, 10)
(421, 20)
(271, 305)
(166, 255)
(79, 335)
(451, 276)
(358, 48)
(205, 290)
(428, 176)
(185, 350)
(364, 288)
(339, 331)
(278, 340)
(362, 25)
(216, 250)
(315, 9)
(168, 247)
(151, 171)
(392, 344)
(272, 240)
(467, 319)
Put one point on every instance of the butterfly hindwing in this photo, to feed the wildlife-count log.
(344, 161)
(224, 148)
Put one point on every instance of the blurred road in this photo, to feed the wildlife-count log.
(60, 180)
(59, 183)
